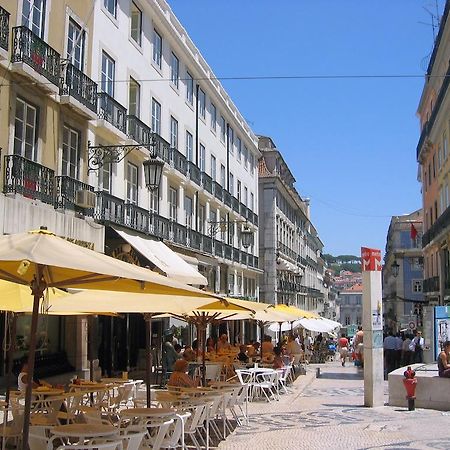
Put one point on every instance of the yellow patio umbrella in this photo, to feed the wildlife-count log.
(296, 313)
(42, 260)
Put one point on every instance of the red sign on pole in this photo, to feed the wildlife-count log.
(370, 259)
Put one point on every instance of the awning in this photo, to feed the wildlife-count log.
(164, 258)
(283, 264)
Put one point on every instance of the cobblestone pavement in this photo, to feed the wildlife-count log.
(328, 413)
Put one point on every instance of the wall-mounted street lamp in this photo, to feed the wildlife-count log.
(99, 155)
(246, 235)
(395, 268)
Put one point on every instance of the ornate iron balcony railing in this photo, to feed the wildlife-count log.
(162, 148)
(112, 111)
(194, 173)
(4, 28)
(66, 189)
(137, 218)
(218, 191)
(32, 50)
(109, 208)
(179, 162)
(207, 183)
(138, 131)
(30, 179)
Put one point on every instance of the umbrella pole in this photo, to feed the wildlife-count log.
(203, 329)
(279, 337)
(261, 328)
(90, 347)
(148, 365)
(37, 288)
(12, 322)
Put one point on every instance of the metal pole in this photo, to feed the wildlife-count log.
(148, 365)
(11, 349)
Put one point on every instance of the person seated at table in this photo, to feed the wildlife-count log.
(443, 361)
(294, 349)
(179, 377)
(223, 345)
(242, 355)
(278, 362)
(267, 346)
(22, 379)
(188, 353)
(210, 345)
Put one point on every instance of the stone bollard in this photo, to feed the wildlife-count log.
(318, 372)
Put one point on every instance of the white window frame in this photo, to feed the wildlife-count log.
(231, 184)
(416, 286)
(173, 203)
(202, 155)
(111, 7)
(189, 88)
(189, 215)
(108, 74)
(189, 146)
(213, 168)
(223, 129)
(223, 176)
(75, 35)
(175, 70)
(239, 148)
(107, 177)
(202, 103)
(134, 104)
(131, 183)
(213, 117)
(231, 140)
(156, 116)
(173, 132)
(157, 48)
(136, 28)
(70, 155)
(36, 26)
(21, 147)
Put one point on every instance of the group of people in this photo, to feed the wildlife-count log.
(354, 347)
(402, 349)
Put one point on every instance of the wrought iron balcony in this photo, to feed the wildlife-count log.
(79, 86)
(218, 191)
(65, 197)
(236, 255)
(179, 162)
(227, 198)
(207, 245)
(431, 284)
(286, 251)
(109, 208)
(138, 131)
(235, 204)
(36, 53)
(178, 233)
(195, 239)
(28, 178)
(112, 112)
(137, 218)
(194, 173)
(162, 148)
(207, 183)
(218, 248)
(242, 210)
(4, 28)
(159, 226)
(228, 252)
(441, 224)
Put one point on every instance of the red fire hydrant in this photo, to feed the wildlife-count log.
(410, 383)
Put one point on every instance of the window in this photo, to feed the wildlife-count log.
(173, 132)
(156, 117)
(252, 201)
(252, 163)
(189, 88)
(70, 152)
(33, 16)
(154, 201)
(175, 70)
(189, 146)
(416, 263)
(26, 130)
(222, 175)
(173, 203)
(202, 161)
(223, 130)
(245, 201)
(245, 155)
(111, 6)
(108, 74)
(134, 98)
(417, 285)
(239, 149)
(231, 139)
(230, 284)
(231, 186)
(106, 176)
(157, 48)
(75, 44)
(347, 320)
(202, 103)
(131, 183)
(188, 210)
(136, 24)
(213, 117)
(213, 168)
(239, 190)
(202, 218)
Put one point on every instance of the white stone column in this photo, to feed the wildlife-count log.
(372, 327)
(164, 196)
(181, 214)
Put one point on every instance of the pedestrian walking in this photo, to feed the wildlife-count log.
(343, 348)
(417, 346)
(389, 345)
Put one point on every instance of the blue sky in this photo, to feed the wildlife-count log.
(350, 143)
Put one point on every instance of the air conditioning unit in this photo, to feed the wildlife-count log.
(85, 199)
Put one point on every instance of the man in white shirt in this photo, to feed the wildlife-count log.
(417, 346)
(389, 345)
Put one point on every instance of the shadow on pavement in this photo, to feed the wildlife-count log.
(342, 376)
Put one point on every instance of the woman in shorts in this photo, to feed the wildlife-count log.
(343, 348)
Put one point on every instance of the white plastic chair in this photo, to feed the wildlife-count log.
(110, 445)
(11, 428)
(132, 439)
(266, 382)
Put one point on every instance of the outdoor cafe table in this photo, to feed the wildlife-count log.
(46, 391)
(83, 431)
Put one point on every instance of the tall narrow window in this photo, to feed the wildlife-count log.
(245, 156)
(26, 130)
(202, 103)
(213, 167)
(231, 186)
(202, 162)
(252, 201)
(75, 44)
(136, 24)
(202, 218)
(134, 98)
(106, 177)
(173, 204)
(239, 149)
(111, 6)
(252, 163)
(108, 74)
(245, 200)
(131, 183)
(156, 117)
(154, 201)
(239, 190)
(175, 70)
(173, 132)
(157, 48)
(213, 117)
(222, 176)
(188, 210)
(223, 129)
(33, 16)
(189, 146)
(70, 152)
(189, 88)
(231, 140)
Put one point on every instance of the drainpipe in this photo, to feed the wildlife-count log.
(196, 156)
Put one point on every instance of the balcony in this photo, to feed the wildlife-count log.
(207, 183)
(227, 198)
(179, 162)
(194, 173)
(243, 210)
(195, 240)
(162, 148)
(137, 218)
(441, 224)
(286, 251)
(30, 179)
(218, 248)
(78, 91)
(207, 245)
(66, 189)
(178, 233)
(235, 204)
(109, 209)
(218, 191)
(431, 285)
(4, 33)
(138, 131)
(228, 252)
(35, 59)
(236, 255)
(112, 115)
(159, 226)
